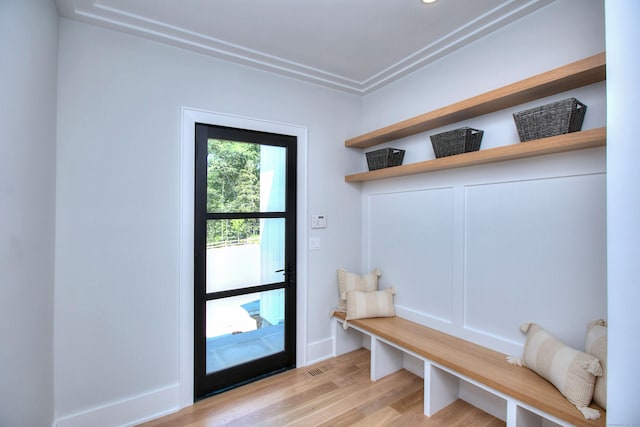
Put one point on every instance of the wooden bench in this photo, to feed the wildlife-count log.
(524, 398)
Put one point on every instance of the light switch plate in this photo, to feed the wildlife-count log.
(314, 244)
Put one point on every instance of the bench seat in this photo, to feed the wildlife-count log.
(475, 362)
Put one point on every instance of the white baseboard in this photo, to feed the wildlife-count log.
(160, 402)
(128, 412)
(319, 351)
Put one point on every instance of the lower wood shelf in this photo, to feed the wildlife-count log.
(555, 144)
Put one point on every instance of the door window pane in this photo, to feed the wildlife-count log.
(244, 328)
(245, 177)
(244, 252)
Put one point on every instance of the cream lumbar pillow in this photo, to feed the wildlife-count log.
(596, 345)
(362, 305)
(571, 371)
(354, 282)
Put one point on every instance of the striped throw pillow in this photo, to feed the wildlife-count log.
(596, 345)
(370, 304)
(571, 371)
(354, 282)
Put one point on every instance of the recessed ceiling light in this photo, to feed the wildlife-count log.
(428, 1)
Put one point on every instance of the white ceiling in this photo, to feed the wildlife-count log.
(352, 45)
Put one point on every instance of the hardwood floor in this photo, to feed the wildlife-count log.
(335, 392)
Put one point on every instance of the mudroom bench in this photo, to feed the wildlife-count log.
(451, 365)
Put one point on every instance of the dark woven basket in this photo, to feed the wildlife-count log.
(552, 119)
(384, 158)
(456, 141)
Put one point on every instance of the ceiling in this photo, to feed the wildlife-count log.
(352, 45)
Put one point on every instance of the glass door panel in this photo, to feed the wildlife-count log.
(244, 328)
(245, 177)
(244, 252)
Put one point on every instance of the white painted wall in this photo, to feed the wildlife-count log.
(118, 210)
(478, 251)
(623, 205)
(28, 55)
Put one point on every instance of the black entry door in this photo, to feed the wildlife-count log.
(245, 256)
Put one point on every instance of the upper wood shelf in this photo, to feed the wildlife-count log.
(555, 144)
(577, 74)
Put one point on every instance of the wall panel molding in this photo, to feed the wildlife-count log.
(533, 249)
(572, 183)
(414, 227)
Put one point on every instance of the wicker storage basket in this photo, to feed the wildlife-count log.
(456, 141)
(551, 119)
(384, 158)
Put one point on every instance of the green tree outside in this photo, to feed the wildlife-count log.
(233, 185)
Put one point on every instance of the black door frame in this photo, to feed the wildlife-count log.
(204, 384)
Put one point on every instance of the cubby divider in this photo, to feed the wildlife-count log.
(440, 389)
(385, 359)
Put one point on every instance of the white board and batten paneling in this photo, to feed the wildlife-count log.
(477, 251)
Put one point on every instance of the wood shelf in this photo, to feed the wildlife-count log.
(577, 74)
(555, 144)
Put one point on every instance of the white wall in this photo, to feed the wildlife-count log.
(118, 210)
(478, 251)
(28, 54)
(623, 205)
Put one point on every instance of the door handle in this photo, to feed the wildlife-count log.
(289, 275)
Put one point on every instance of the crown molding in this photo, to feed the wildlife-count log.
(100, 14)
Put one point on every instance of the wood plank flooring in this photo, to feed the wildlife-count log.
(335, 392)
